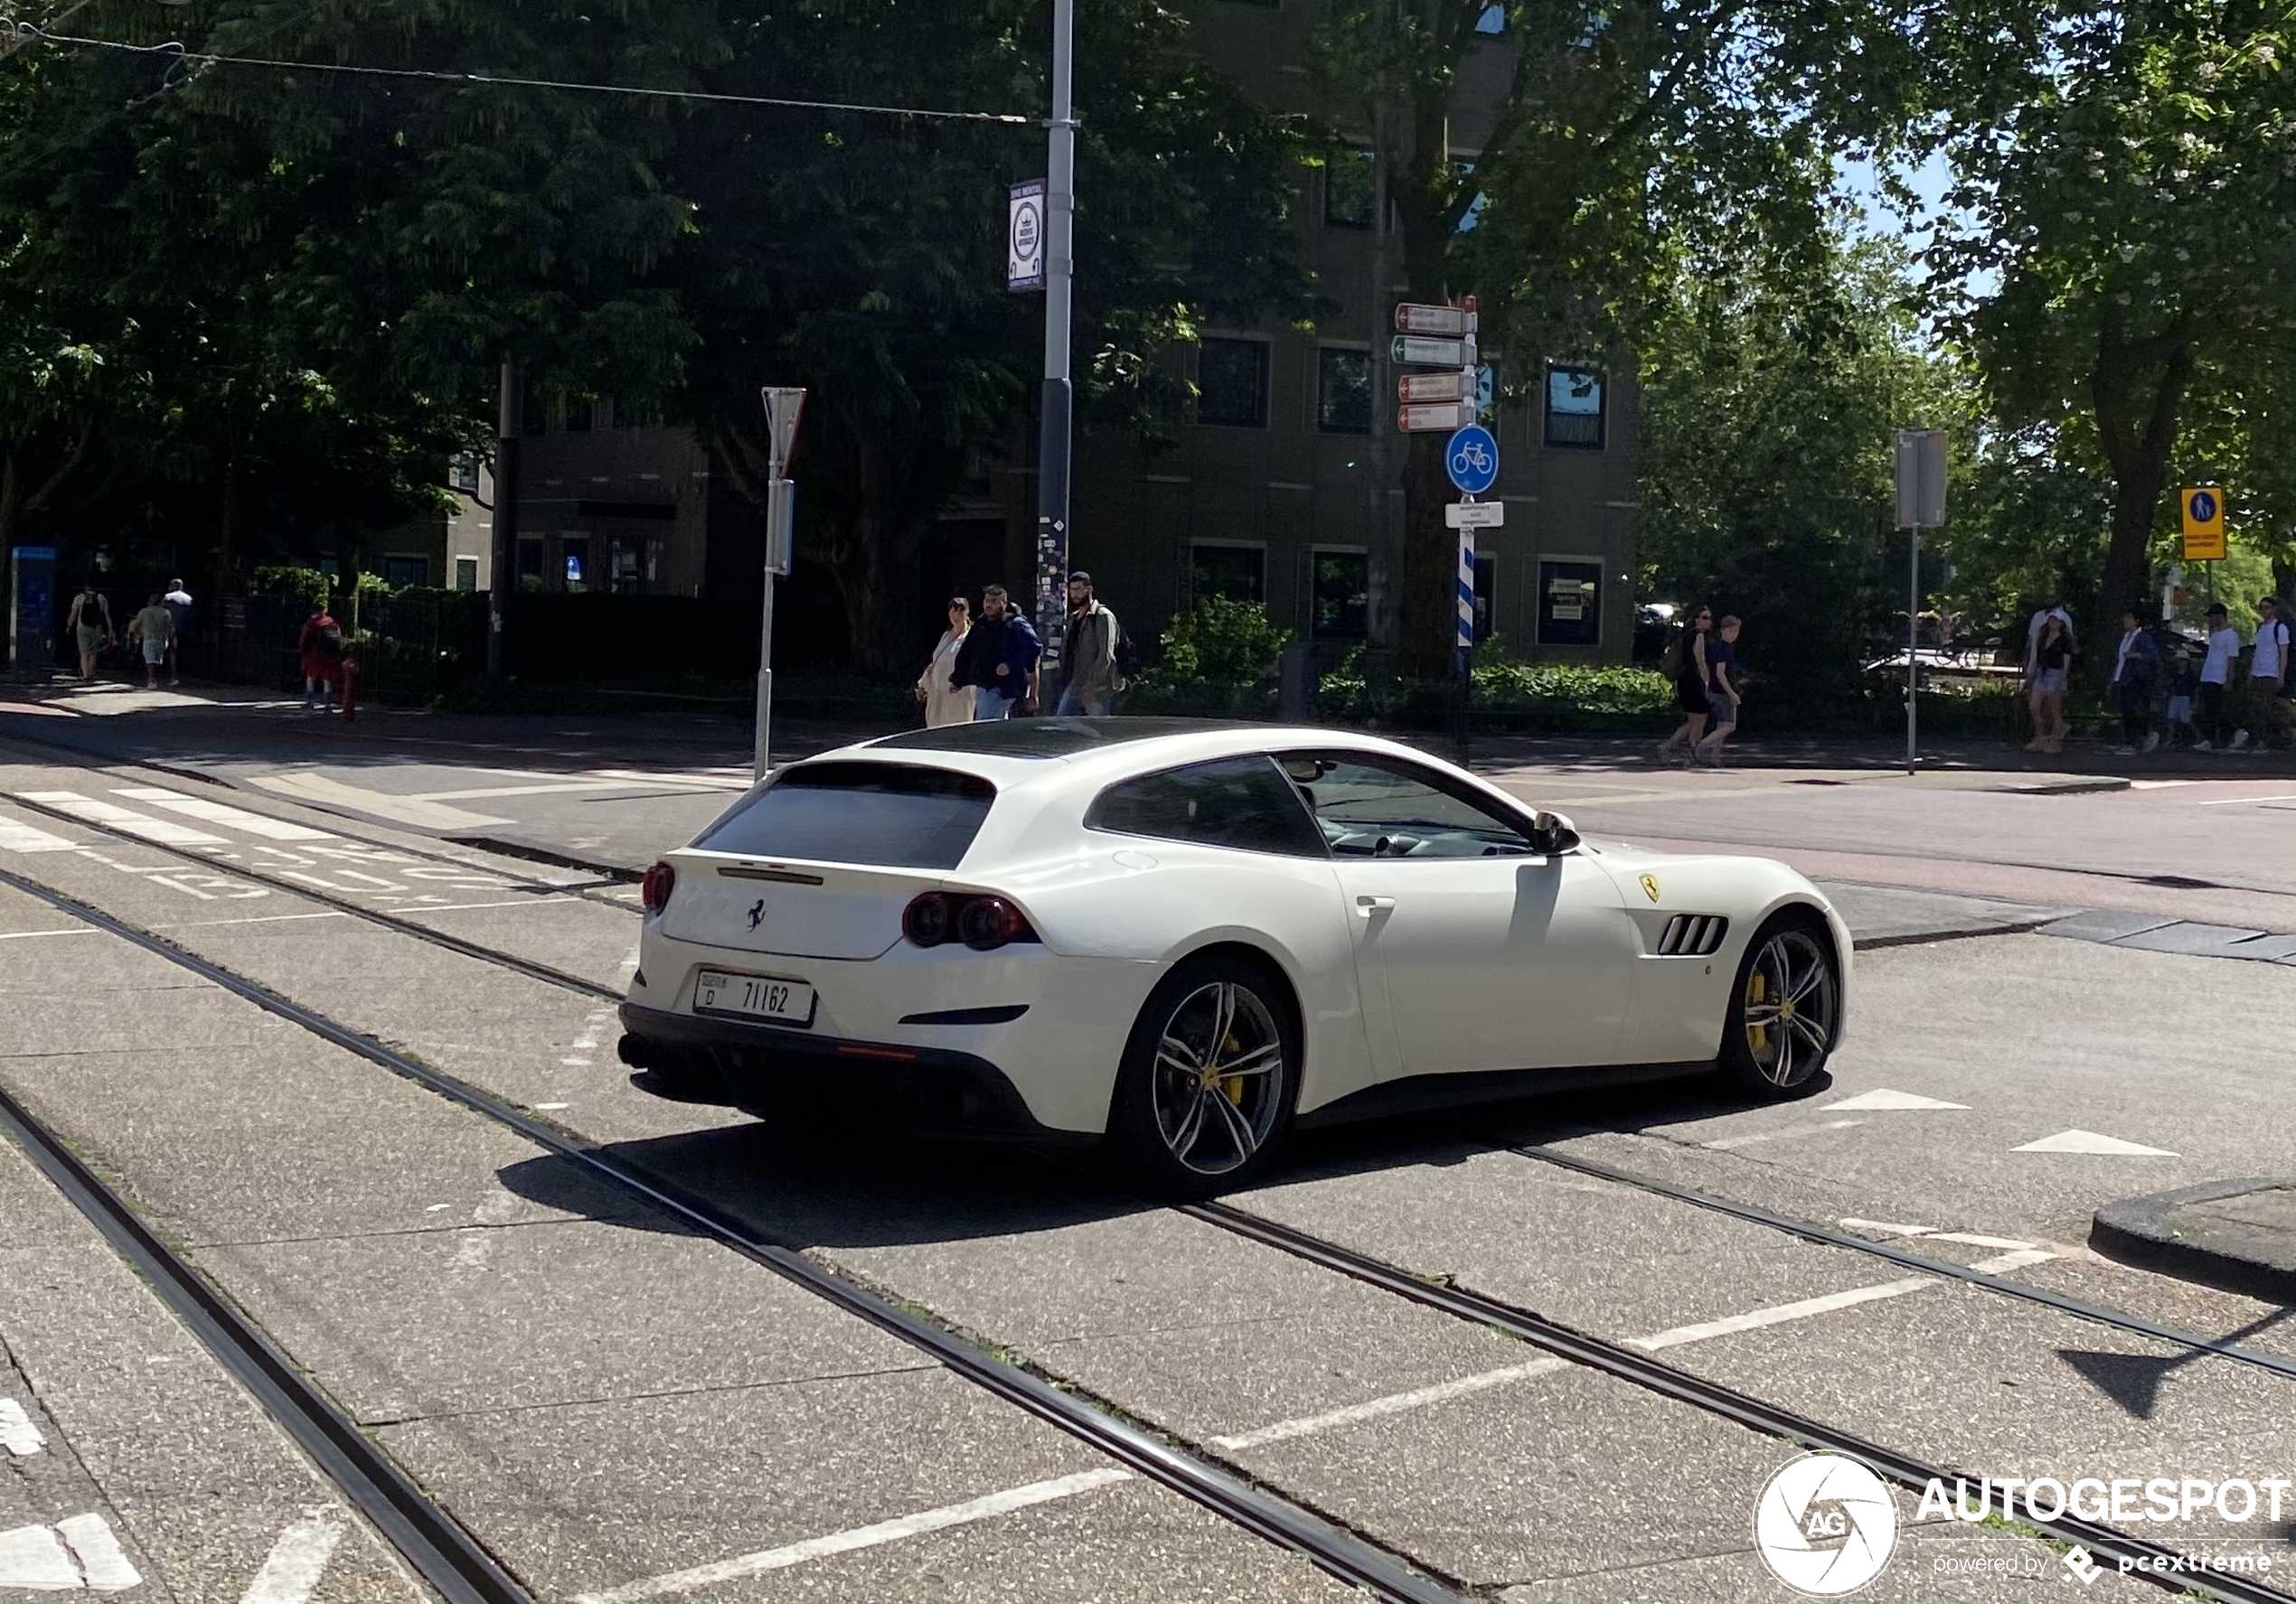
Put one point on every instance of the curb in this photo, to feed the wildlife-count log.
(2255, 1260)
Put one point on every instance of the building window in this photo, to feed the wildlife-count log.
(1486, 589)
(1343, 391)
(1238, 573)
(464, 475)
(467, 573)
(1231, 383)
(1348, 189)
(1339, 594)
(1574, 407)
(1570, 604)
(530, 561)
(398, 572)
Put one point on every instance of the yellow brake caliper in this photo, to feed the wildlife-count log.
(1758, 1036)
(1232, 1085)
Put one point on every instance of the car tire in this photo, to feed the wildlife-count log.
(1775, 1047)
(1179, 1126)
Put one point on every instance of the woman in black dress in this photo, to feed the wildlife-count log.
(1692, 677)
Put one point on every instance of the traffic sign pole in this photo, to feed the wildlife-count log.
(783, 406)
(1921, 504)
(1059, 272)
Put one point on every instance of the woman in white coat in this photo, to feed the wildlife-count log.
(942, 704)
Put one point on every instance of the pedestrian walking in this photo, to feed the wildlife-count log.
(2136, 664)
(2052, 661)
(321, 645)
(90, 626)
(2050, 607)
(1722, 691)
(2269, 680)
(946, 703)
(154, 629)
(2183, 685)
(2215, 673)
(1094, 672)
(998, 659)
(1691, 676)
(178, 602)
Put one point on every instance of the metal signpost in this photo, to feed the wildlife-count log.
(783, 405)
(32, 614)
(1921, 504)
(1058, 272)
(502, 559)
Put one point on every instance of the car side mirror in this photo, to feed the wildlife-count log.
(1552, 833)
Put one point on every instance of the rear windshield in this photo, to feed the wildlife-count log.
(892, 814)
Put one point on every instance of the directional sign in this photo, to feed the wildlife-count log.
(1434, 387)
(1475, 515)
(1430, 354)
(1435, 418)
(1024, 237)
(1414, 318)
(1471, 458)
(2204, 511)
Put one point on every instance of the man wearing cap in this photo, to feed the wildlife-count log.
(1092, 676)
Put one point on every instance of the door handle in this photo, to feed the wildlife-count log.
(1369, 905)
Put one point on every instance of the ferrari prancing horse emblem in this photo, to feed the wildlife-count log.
(1649, 886)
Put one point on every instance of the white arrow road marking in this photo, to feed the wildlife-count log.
(216, 813)
(18, 1435)
(838, 1543)
(1884, 1098)
(126, 820)
(406, 810)
(2089, 1141)
(291, 1570)
(74, 1554)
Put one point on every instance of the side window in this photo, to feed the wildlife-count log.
(1379, 808)
(1243, 803)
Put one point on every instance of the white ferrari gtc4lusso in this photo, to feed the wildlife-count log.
(1186, 938)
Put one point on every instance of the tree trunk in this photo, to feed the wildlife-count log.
(2137, 453)
(874, 559)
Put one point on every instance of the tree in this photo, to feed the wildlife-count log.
(2134, 207)
(864, 258)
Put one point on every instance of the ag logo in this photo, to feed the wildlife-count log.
(756, 912)
(1649, 886)
(1825, 1525)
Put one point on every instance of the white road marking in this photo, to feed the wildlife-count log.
(552, 1108)
(291, 1570)
(404, 810)
(2089, 1141)
(1882, 1097)
(25, 935)
(1781, 1133)
(838, 1543)
(1393, 1403)
(18, 1435)
(216, 813)
(463, 907)
(473, 793)
(103, 1564)
(2009, 1262)
(26, 837)
(35, 1558)
(125, 820)
(1754, 1320)
(1976, 1241)
(699, 780)
(251, 919)
(2234, 802)
(1887, 1227)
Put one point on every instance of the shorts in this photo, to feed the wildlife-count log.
(2051, 680)
(1725, 711)
(154, 651)
(91, 640)
(2180, 710)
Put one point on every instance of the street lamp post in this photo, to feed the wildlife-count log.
(1059, 401)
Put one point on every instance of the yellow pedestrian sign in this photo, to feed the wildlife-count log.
(2204, 511)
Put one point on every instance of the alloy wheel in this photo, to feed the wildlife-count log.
(1790, 1007)
(1218, 1081)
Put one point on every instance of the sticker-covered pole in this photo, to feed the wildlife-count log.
(1060, 273)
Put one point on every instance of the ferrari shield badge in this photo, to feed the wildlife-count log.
(1649, 886)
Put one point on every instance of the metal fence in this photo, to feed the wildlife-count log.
(410, 647)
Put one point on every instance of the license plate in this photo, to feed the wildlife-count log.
(754, 997)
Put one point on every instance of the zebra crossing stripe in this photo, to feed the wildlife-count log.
(166, 832)
(216, 813)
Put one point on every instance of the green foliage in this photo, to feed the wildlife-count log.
(1219, 639)
(308, 586)
(1510, 695)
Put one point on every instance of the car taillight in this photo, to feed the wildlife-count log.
(982, 922)
(655, 888)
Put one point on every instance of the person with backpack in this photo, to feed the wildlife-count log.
(1693, 677)
(90, 625)
(1097, 647)
(322, 648)
(2268, 673)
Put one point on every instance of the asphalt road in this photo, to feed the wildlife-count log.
(621, 1409)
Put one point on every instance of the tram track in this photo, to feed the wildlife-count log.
(1348, 1555)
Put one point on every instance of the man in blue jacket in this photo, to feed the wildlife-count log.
(2135, 665)
(999, 660)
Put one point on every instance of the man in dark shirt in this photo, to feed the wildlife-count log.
(1722, 689)
(998, 660)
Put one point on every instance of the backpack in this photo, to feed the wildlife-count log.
(1127, 652)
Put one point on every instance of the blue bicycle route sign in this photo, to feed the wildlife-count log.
(1472, 455)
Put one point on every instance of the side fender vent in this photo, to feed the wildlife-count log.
(1692, 935)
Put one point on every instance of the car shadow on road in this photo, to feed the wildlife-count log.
(803, 1187)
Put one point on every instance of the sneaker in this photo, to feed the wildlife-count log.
(2239, 739)
(2202, 746)
(2152, 740)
